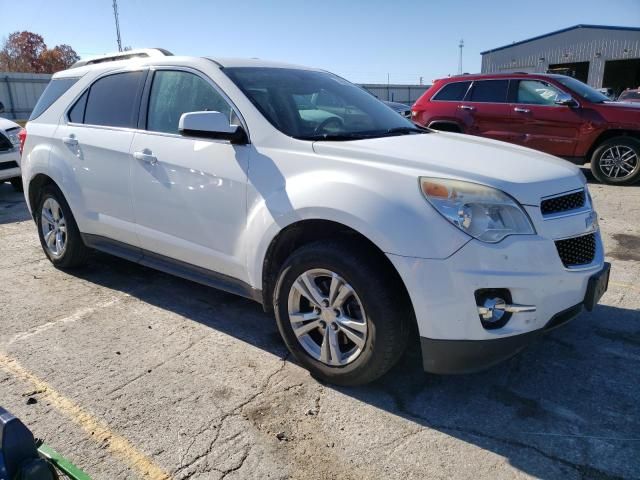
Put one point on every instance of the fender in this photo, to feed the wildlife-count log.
(371, 207)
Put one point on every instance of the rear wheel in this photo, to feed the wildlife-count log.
(16, 183)
(58, 231)
(338, 315)
(617, 161)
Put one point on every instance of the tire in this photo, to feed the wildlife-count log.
(16, 183)
(610, 160)
(375, 303)
(71, 252)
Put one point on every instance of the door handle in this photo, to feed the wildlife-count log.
(466, 107)
(146, 156)
(521, 110)
(71, 140)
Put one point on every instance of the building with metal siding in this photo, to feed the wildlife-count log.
(598, 55)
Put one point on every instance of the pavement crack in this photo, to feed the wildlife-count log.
(154, 367)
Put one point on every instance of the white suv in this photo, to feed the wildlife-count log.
(295, 188)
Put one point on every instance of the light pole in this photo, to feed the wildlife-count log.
(115, 15)
(460, 46)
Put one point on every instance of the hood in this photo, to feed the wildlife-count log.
(635, 106)
(7, 124)
(525, 174)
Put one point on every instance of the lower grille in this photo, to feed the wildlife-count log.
(8, 165)
(578, 250)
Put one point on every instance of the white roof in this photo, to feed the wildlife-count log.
(255, 62)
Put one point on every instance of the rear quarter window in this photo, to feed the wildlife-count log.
(56, 88)
(452, 92)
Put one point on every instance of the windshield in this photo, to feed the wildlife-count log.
(312, 105)
(582, 89)
(630, 95)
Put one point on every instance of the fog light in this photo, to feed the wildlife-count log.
(495, 307)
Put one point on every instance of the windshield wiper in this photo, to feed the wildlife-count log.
(335, 137)
(406, 130)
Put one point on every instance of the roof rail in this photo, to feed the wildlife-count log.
(126, 55)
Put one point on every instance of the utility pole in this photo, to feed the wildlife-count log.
(115, 15)
(460, 46)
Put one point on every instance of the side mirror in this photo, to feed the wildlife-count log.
(211, 125)
(1, 107)
(565, 99)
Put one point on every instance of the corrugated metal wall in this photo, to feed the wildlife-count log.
(19, 93)
(594, 45)
(396, 93)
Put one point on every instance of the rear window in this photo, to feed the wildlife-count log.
(53, 92)
(490, 91)
(453, 91)
(113, 100)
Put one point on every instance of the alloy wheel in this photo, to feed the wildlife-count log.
(54, 227)
(619, 162)
(327, 317)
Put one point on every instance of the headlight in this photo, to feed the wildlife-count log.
(13, 136)
(483, 212)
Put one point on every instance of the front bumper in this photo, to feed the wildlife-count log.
(442, 293)
(448, 357)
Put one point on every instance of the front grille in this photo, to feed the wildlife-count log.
(8, 165)
(578, 250)
(571, 201)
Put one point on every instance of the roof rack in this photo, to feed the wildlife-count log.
(126, 55)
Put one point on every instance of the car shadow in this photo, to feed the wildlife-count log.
(566, 406)
(12, 205)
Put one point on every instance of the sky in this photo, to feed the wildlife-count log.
(364, 41)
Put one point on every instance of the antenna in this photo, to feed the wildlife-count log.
(115, 15)
(460, 46)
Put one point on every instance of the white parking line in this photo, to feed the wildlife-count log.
(78, 315)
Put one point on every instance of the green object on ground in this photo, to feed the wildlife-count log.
(62, 464)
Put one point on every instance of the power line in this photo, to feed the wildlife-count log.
(115, 15)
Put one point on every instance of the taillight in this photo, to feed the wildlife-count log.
(22, 136)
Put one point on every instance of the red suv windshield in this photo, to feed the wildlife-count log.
(585, 91)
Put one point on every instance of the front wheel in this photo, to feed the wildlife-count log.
(617, 161)
(338, 314)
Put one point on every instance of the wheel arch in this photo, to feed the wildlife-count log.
(609, 134)
(34, 189)
(306, 231)
(445, 126)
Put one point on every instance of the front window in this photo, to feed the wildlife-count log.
(312, 105)
(176, 92)
(534, 92)
(582, 89)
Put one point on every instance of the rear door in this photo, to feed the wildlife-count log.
(485, 111)
(541, 124)
(95, 140)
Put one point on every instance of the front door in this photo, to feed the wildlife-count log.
(189, 193)
(541, 124)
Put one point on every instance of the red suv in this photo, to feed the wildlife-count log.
(552, 113)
